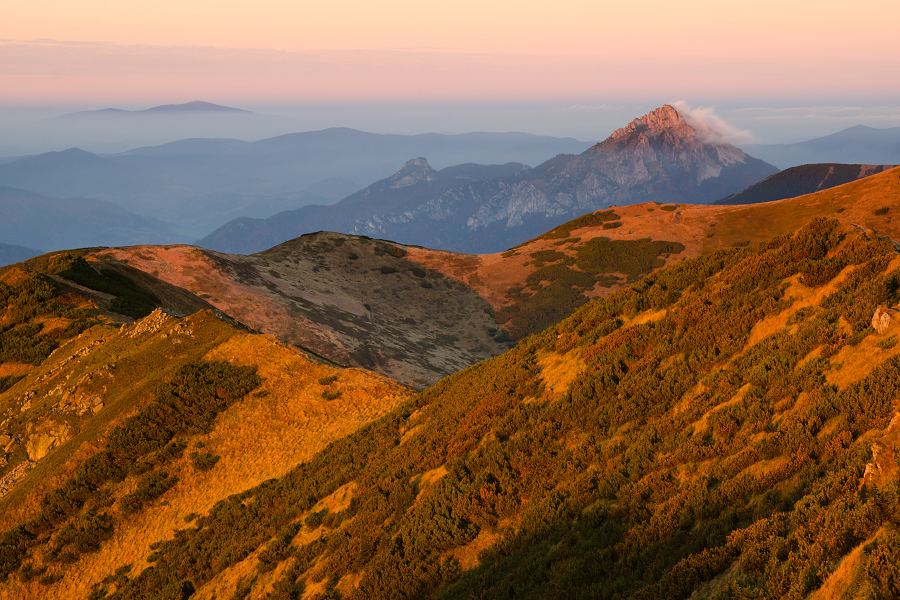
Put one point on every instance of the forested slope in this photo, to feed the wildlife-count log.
(726, 426)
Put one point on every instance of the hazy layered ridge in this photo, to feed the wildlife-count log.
(658, 157)
(11, 253)
(855, 145)
(200, 184)
(34, 220)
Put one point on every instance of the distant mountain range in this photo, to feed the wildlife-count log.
(855, 145)
(10, 254)
(113, 130)
(33, 220)
(201, 184)
(194, 107)
(801, 180)
(657, 157)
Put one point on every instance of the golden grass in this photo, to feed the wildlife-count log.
(700, 425)
(467, 555)
(837, 583)
(424, 481)
(764, 467)
(338, 500)
(647, 316)
(688, 397)
(348, 583)
(855, 363)
(280, 425)
(7, 369)
(14, 276)
(559, 371)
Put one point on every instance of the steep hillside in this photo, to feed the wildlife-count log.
(546, 277)
(724, 428)
(114, 436)
(657, 157)
(801, 180)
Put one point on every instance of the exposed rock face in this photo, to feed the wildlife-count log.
(39, 444)
(646, 146)
(8, 481)
(659, 157)
(882, 319)
(884, 455)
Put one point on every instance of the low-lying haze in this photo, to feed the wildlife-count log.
(34, 129)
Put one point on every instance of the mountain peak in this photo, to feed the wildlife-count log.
(193, 106)
(665, 119)
(666, 134)
(412, 172)
(416, 162)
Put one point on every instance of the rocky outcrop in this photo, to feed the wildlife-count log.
(40, 444)
(883, 467)
(8, 481)
(883, 318)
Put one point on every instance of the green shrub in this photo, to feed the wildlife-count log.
(327, 380)
(395, 251)
(152, 486)
(885, 344)
(388, 270)
(8, 381)
(204, 461)
(589, 220)
(130, 299)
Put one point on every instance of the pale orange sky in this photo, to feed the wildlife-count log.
(464, 50)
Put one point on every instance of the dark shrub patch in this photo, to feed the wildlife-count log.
(204, 461)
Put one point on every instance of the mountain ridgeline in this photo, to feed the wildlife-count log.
(659, 157)
(802, 180)
(196, 185)
(725, 427)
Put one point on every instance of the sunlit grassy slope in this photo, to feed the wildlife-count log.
(726, 427)
(63, 409)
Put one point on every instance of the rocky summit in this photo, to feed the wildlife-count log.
(638, 151)
(659, 157)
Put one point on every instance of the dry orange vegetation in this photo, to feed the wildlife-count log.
(283, 423)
